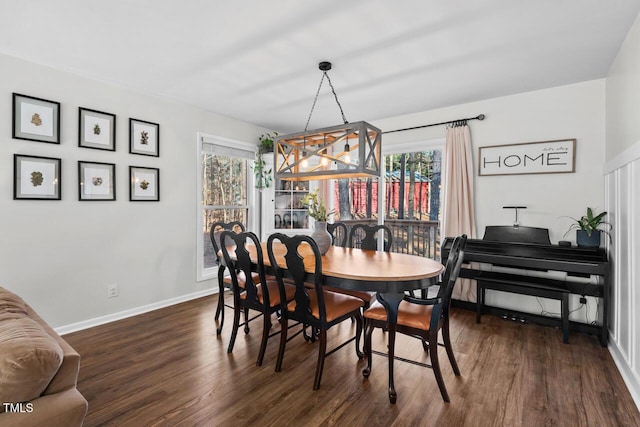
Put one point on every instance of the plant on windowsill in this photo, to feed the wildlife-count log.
(318, 211)
(262, 174)
(589, 228)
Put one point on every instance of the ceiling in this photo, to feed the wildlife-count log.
(257, 60)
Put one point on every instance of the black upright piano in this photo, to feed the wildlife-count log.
(529, 249)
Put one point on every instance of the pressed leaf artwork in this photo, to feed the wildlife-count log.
(36, 120)
(97, 180)
(36, 178)
(144, 137)
(96, 129)
(144, 184)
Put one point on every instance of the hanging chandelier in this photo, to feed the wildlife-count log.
(349, 150)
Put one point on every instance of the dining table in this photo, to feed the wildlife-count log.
(389, 274)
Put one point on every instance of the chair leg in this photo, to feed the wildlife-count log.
(284, 327)
(447, 344)
(234, 331)
(435, 364)
(220, 308)
(367, 347)
(266, 327)
(358, 320)
(322, 350)
(246, 321)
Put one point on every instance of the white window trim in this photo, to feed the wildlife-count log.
(211, 273)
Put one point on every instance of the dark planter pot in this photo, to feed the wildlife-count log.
(586, 241)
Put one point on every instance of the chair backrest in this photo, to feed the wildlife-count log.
(216, 230)
(294, 263)
(338, 231)
(365, 236)
(451, 272)
(238, 255)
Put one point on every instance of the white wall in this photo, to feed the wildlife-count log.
(622, 192)
(573, 111)
(623, 95)
(61, 255)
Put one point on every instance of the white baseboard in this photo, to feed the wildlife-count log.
(96, 321)
(630, 379)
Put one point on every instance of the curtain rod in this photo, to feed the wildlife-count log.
(479, 117)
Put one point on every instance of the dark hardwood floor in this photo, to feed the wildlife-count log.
(167, 367)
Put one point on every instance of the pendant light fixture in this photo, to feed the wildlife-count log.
(349, 150)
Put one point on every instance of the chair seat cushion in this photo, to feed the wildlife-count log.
(274, 292)
(242, 279)
(363, 295)
(336, 305)
(412, 315)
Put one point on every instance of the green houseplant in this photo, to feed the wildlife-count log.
(318, 211)
(589, 228)
(262, 174)
(315, 206)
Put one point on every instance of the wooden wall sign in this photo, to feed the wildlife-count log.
(528, 158)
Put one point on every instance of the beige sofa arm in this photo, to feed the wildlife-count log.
(66, 409)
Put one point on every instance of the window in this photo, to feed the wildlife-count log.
(225, 192)
(407, 200)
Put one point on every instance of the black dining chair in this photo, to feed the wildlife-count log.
(224, 281)
(338, 231)
(365, 236)
(423, 318)
(315, 307)
(262, 295)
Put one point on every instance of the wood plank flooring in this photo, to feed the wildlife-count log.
(168, 368)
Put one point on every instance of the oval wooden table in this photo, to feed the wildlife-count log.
(388, 274)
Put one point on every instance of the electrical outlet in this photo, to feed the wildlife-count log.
(112, 290)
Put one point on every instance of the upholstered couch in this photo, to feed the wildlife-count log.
(38, 370)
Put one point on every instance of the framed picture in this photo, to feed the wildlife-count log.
(36, 119)
(36, 178)
(145, 184)
(96, 181)
(144, 138)
(97, 130)
(556, 156)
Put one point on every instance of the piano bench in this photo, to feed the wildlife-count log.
(524, 285)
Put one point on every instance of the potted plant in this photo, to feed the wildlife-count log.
(263, 176)
(589, 228)
(318, 211)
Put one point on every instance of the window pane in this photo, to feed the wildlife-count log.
(356, 199)
(218, 215)
(412, 185)
(224, 180)
(412, 202)
(224, 190)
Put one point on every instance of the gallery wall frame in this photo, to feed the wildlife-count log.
(96, 181)
(144, 184)
(144, 138)
(36, 178)
(35, 119)
(555, 156)
(96, 129)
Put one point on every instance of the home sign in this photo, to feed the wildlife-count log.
(528, 158)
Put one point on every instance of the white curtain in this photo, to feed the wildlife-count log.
(458, 214)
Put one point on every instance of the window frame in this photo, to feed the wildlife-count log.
(203, 138)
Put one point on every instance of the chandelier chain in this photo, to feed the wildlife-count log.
(313, 106)
(344, 119)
